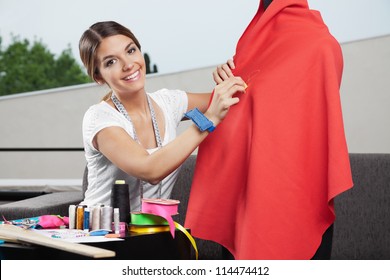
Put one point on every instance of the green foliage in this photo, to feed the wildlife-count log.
(28, 67)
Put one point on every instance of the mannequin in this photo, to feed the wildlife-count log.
(266, 3)
(272, 182)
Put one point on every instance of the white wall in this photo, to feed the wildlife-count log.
(53, 118)
(365, 95)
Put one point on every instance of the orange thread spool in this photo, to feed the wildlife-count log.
(80, 217)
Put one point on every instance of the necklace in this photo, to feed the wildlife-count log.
(123, 111)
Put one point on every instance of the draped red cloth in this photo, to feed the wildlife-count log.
(266, 178)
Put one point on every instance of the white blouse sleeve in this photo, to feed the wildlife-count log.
(97, 118)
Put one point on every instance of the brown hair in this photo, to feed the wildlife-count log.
(91, 39)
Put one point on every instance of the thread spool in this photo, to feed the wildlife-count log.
(86, 219)
(106, 218)
(122, 229)
(80, 217)
(72, 216)
(116, 220)
(96, 213)
(120, 199)
(90, 217)
(119, 229)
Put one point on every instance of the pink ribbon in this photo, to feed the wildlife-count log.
(52, 221)
(162, 207)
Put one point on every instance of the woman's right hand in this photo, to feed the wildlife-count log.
(223, 97)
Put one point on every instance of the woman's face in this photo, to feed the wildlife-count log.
(121, 64)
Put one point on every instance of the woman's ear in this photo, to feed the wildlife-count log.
(99, 79)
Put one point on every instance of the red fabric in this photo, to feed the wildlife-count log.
(265, 179)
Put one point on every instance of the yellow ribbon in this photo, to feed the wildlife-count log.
(189, 236)
(148, 229)
(155, 229)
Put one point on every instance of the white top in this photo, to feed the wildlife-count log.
(102, 174)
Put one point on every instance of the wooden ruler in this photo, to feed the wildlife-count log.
(17, 234)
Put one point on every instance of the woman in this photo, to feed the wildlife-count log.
(131, 134)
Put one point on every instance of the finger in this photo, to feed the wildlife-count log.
(226, 98)
(234, 81)
(221, 69)
(228, 72)
(232, 91)
(217, 78)
(231, 88)
(225, 88)
(225, 106)
(232, 101)
(231, 64)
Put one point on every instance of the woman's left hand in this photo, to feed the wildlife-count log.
(223, 72)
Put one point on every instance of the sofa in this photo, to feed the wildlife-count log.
(361, 229)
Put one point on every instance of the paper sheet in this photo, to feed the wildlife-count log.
(74, 236)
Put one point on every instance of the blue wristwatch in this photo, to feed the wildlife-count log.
(201, 121)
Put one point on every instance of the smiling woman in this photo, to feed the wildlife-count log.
(131, 134)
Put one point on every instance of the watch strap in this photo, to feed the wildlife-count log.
(200, 120)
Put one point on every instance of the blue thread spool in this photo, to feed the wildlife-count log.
(86, 219)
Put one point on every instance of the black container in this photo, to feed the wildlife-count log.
(120, 199)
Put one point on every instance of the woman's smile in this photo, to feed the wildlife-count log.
(133, 77)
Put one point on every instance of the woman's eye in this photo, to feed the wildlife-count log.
(131, 50)
(110, 62)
